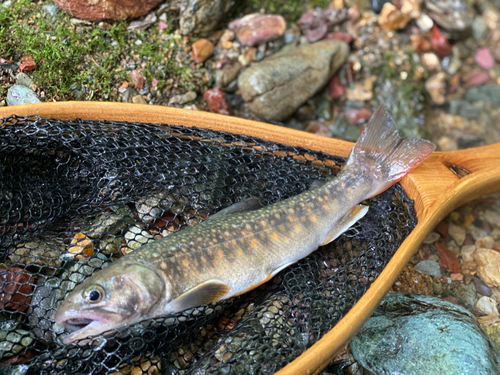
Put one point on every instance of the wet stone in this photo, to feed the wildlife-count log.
(487, 305)
(18, 94)
(465, 292)
(413, 334)
(487, 266)
(429, 267)
(484, 93)
(481, 287)
(466, 110)
(255, 29)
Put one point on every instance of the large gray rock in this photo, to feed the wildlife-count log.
(19, 94)
(202, 16)
(415, 334)
(276, 87)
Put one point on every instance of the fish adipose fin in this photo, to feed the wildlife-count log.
(355, 214)
(202, 294)
(385, 155)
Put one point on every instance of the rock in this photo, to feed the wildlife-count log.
(447, 258)
(16, 285)
(485, 93)
(361, 92)
(479, 28)
(335, 88)
(488, 266)
(23, 79)
(476, 78)
(343, 37)
(138, 99)
(492, 217)
(431, 238)
(249, 56)
(315, 23)
(391, 18)
(425, 23)
(411, 8)
(468, 252)
(481, 287)
(357, 116)
(117, 10)
(451, 64)
(431, 62)
(138, 79)
(452, 15)
(227, 74)
(487, 305)
(439, 43)
(256, 28)
(410, 334)
(436, 87)
(411, 281)
(149, 20)
(457, 233)
(466, 293)
(317, 127)
(202, 49)
(485, 242)
(429, 267)
(27, 64)
(484, 58)
(494, 42)
(377, 5)
(277, 87)
(227, 36)
(466, 110)
(17, 94)
(187, 97)
(217, 101)
(202, 16)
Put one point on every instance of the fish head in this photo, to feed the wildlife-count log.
(116, 296)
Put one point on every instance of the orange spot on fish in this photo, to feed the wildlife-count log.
(254, 243)
(290, 218)
(274, 236)
(203, 260)
(303, 218)
(214, 262)
(185, 263)
(262, 234)
(325, 206)
(233, 242)
(313, 218)
(221, 254)
(297, 228)
(240, 252)
(281, 227)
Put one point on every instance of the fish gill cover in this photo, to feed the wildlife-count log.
(76, 195)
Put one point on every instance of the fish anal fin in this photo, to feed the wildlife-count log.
(202, 294)
(349, 219)
(248, 204)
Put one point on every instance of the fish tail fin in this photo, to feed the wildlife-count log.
(387, 156)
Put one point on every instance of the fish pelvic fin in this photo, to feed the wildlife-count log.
(385, 155)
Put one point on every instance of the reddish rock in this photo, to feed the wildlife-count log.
(448, 260)
(162, 25)
(27, 64)
(15, 286)
(315, 23)
(451, 299)
(420, 44)
(257, 28)
(344, 37)
(138, 79)
(439, 43)
(442, 228)
(117, 10)
(476, 78)
(317, 127)
(484, 58)
(336, 88)
(217, 101)
(357, 116)
(202, 50)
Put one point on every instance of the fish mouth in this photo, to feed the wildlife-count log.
(76, 324)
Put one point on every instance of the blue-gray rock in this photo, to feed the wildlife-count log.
(429, 267)
(481, 287)
(276, 87)
(416, 334)
(18, 94)
(377, 5)
(202, 16)
(464, 109)
(23, 79)
(484, 93)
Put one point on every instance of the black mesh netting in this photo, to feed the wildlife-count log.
(77, 195)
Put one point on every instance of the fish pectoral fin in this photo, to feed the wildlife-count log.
(203, 294)
(245, 205)
(355, 214)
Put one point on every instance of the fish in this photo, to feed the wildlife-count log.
(242, 246)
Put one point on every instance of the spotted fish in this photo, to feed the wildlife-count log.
(241, 247)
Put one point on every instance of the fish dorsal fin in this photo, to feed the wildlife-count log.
(356, 213)
(248, 204)
(202, 294)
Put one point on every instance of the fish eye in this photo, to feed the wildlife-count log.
(93, 294)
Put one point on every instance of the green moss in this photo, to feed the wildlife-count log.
(291, 10)
(83, 61)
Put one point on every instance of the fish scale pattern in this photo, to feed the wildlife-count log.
(77, 195)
